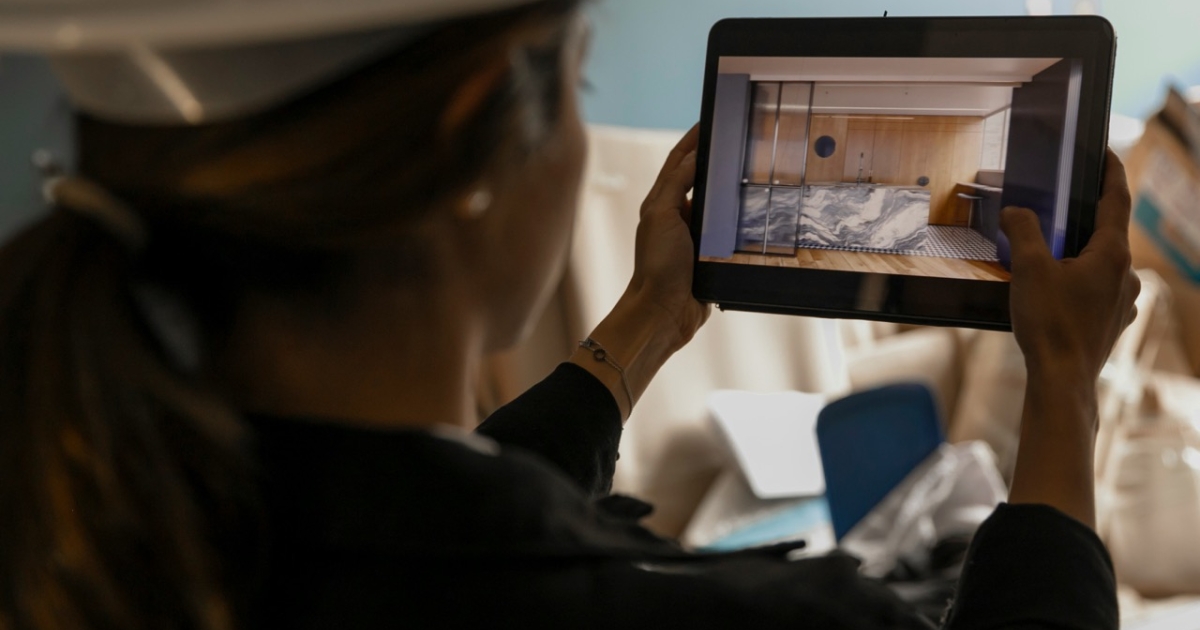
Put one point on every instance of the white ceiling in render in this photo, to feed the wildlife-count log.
(923, 100)
(889, 69)
(897, 86)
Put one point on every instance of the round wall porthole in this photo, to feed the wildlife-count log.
(825, 146)
(922, 181)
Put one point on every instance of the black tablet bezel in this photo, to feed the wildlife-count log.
(905, 299)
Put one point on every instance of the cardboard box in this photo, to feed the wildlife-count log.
(1164, 176)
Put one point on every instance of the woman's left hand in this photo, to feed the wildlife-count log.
(662, 273)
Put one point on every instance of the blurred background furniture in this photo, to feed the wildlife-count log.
(671, 454)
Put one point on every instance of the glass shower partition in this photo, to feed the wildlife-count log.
(773, 177)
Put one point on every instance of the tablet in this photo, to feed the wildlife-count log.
(857, 167)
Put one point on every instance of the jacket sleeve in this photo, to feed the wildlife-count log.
(1033, 567)
(570, 419)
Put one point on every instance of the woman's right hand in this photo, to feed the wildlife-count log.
(1067, 315)
(657, 315)
(663, 255)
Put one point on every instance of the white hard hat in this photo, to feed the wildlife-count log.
(197, 61)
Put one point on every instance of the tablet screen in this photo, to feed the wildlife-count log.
(888, 165)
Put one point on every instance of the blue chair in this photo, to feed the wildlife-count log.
(869, 442)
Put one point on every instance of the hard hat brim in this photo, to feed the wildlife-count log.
(49, 27)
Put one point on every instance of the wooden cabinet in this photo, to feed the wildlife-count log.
(900, 150)
(893, 150)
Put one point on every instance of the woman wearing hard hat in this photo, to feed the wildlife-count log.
(236, 353)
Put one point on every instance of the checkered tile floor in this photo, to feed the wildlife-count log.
(943, 242)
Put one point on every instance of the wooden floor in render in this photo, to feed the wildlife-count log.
(877, 263)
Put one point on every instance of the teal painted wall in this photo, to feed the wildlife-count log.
(646, 67)
(647, 58)
(1157, 44)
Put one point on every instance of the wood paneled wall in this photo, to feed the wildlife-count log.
(946, 149)
(827, 169)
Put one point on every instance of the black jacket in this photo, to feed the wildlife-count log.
(513, 528)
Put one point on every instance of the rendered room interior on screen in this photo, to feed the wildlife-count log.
(887, 165)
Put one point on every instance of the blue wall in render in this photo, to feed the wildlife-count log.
(723, 197)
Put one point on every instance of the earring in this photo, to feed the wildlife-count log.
(46, 164)
(479, 203)
(51, 172)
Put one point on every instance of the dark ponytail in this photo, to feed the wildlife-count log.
(104, 452)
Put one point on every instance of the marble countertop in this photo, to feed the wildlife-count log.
(870, 216)
(873, 216)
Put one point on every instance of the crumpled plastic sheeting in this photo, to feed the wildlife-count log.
(949, 495)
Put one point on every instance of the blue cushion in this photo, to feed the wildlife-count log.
(869, 442)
